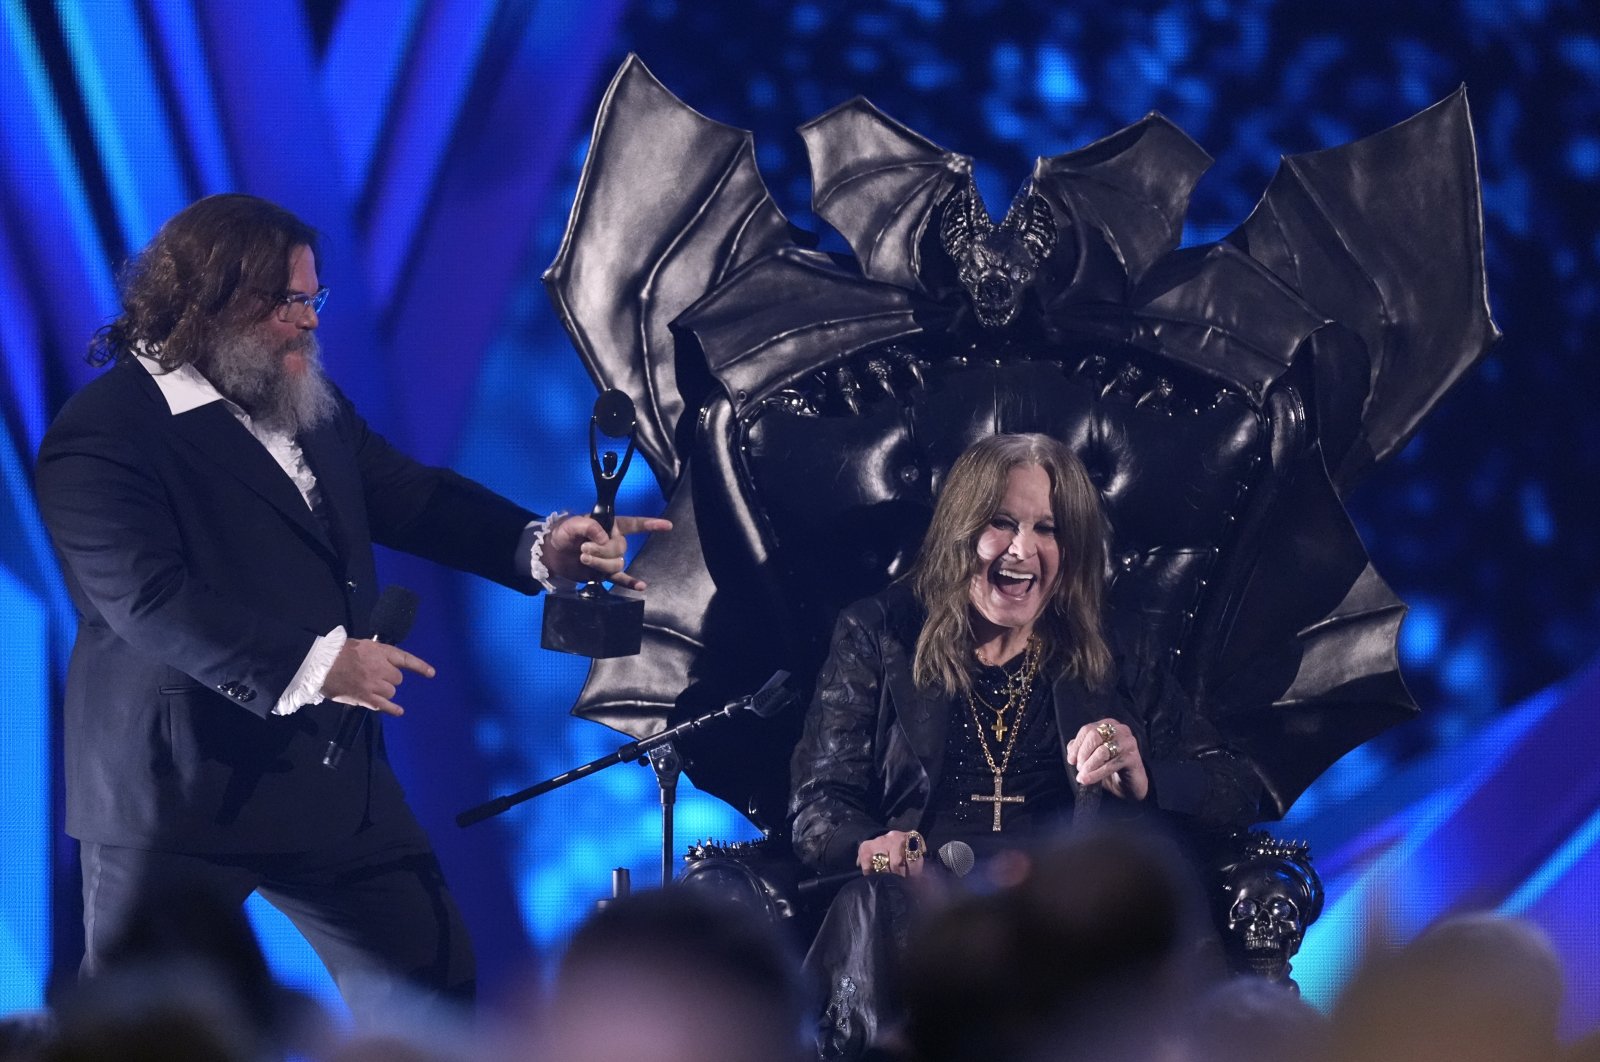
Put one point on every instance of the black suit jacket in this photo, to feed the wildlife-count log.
(873, 746)
(201, 579)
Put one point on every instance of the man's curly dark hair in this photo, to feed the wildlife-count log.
(219, 263)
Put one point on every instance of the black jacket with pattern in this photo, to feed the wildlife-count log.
(873, 746)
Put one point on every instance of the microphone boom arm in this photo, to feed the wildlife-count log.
(633, 750)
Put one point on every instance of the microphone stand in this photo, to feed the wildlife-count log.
(668, 765)
(658, 750)
(639, 750)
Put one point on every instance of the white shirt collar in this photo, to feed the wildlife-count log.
(184, 388)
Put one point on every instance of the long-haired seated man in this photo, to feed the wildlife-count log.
(977, 700)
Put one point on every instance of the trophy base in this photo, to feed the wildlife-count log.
(592, 623)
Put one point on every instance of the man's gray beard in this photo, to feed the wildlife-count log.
(248, 370)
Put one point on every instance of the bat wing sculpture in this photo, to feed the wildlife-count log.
(670, 203)
(1385, 236)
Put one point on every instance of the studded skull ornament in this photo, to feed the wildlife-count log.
(997, 263)
(1274, 895)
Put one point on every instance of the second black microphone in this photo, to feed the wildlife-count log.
(392, 618)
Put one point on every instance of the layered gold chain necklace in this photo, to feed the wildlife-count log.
(1018, 688)
(1018, 691)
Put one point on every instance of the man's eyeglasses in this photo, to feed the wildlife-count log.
(296, 302)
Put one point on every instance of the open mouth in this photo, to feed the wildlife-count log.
(1013, 583)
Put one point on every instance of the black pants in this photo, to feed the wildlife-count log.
(854, 965)
(375, 907)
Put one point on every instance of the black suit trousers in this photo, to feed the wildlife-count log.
(375, 908)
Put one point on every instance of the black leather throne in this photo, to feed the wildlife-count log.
(800, 411)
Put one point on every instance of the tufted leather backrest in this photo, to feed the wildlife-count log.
(843, 470)
(797, 503)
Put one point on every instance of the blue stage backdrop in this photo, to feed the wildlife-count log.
(436, 144)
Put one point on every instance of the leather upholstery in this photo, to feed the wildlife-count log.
(848, 494)
(798, 408)
(831, 482)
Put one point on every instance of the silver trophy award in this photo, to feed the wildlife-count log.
(590, 620)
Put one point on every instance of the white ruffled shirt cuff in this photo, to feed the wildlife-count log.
(531, 546)
(306, 686)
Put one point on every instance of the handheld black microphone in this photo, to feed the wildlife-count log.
(392, 618)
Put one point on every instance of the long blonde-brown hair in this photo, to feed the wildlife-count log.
(1069, 628)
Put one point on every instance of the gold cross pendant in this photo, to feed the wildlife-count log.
(999, 726)
(996, 800)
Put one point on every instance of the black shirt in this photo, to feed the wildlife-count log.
(1037, 771)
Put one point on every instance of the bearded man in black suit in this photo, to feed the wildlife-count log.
(214, 500)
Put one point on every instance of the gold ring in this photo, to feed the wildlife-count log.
(1112, 748)
(880, 862)
(1107, 731)
(915, 847)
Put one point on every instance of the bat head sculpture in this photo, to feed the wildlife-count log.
(997, 263)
